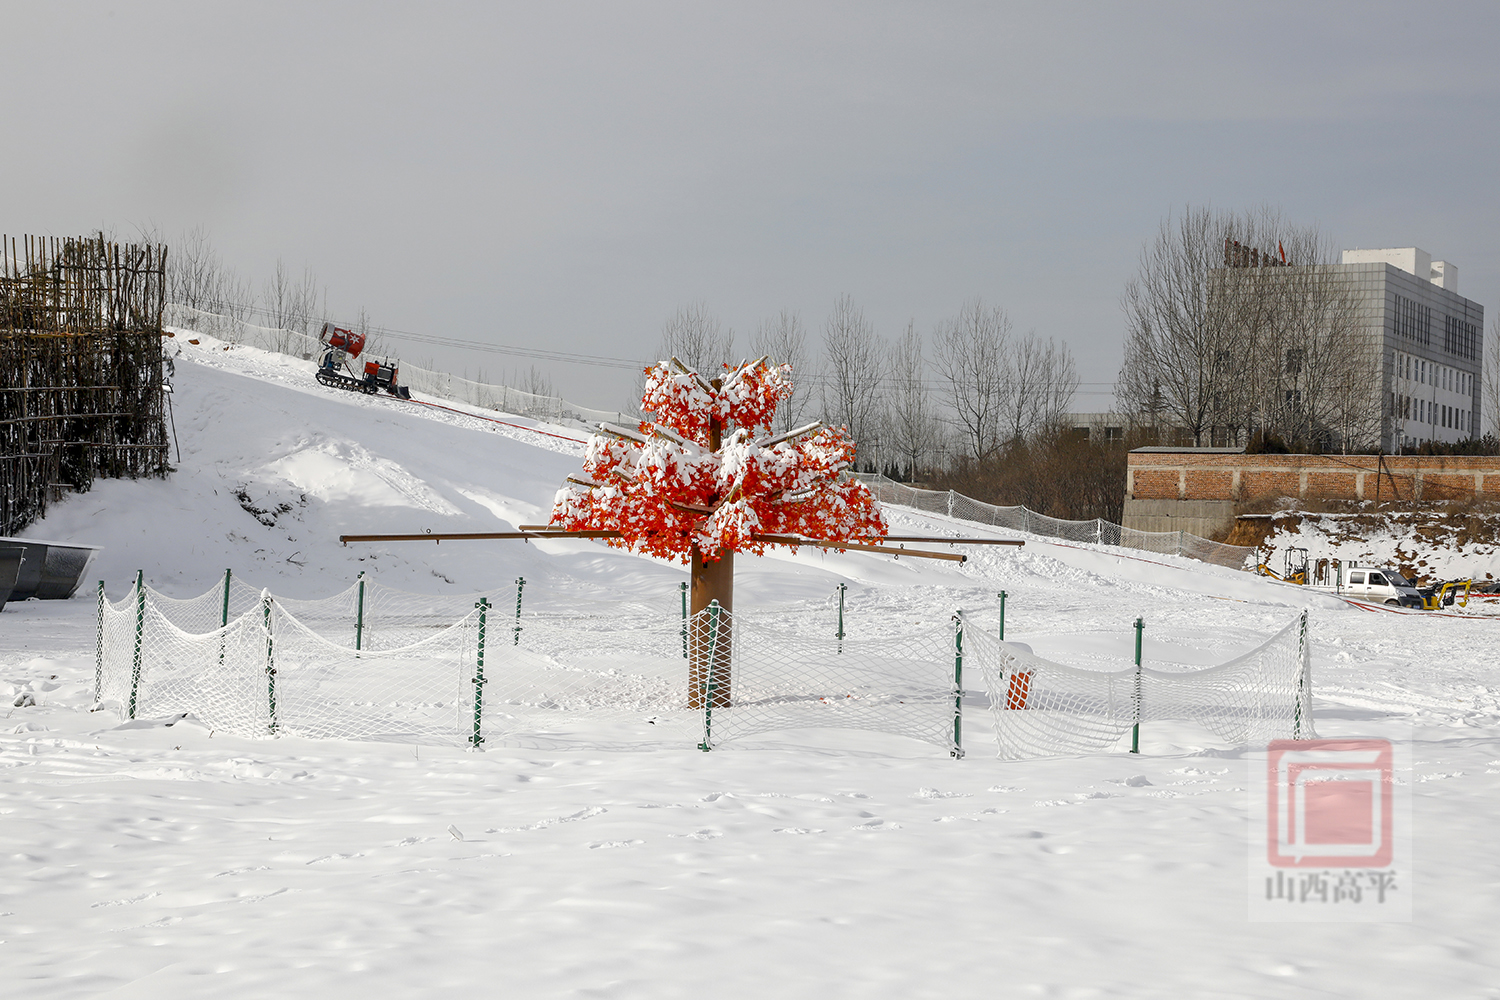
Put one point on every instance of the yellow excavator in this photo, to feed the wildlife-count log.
(1295, 569)
(1454, 592)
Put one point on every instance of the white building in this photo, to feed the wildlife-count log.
(1430, 342)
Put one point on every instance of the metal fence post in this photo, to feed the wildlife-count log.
(273, 724)
(684, 588)
(1304, 682)
(1135, 732)
(359, 615)
(958, 685)
(99, 649)
(520, 585)
(1002, 616)
(708, 676)
(478, 736)
(224, 619)
(140, 628)
(842, 588)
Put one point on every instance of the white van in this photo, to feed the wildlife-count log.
(1382, 585)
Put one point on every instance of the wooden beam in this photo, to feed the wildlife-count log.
(953, 541)
(795, 540)
(473, 536)
(529, 531)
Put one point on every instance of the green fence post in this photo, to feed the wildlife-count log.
(708, 677)
(958, 685)
(359, 615)
(140, 628)
(99, 649)
(224, 620)
(520, 585)
(1002, 616)
(1135, 732)
(684, 588)
(842, 588)
(1304, 682)
(478, 736)
(273, 725)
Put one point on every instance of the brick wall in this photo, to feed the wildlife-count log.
(1218, 476)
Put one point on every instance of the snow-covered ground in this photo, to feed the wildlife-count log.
(154, 860)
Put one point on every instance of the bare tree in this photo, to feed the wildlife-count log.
(783, 339)
(1489, 394)
(291, 305)
(911, 425)
(694, 336)
(198, 280)
(536, 382)
(852, 379)
(1241, 323)
(970, 355)
(1040, 382)
(1180, 350)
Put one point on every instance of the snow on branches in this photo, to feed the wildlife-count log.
(706, 471)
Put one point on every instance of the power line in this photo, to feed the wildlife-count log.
(605, 361)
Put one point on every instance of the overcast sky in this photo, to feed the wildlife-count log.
(564, 176)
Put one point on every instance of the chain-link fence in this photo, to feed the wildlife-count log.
(376, 663)
(1097, 531)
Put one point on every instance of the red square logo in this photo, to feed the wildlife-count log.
(1329, 803)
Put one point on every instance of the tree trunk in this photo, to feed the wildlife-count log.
(711, 581)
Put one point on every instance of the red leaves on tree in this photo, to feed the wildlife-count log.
(666, 490)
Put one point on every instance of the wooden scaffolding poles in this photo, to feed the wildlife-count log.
(80, 368)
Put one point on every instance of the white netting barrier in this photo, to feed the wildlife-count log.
(1098, 531)
(373, 662)
(443, 385)
(771, 680)
(1041, 708)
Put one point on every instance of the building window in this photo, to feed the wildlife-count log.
(1413, 320)
(1460, 339)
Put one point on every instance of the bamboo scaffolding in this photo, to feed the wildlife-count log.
(80, 368)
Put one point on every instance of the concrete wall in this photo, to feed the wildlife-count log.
(1204, 518)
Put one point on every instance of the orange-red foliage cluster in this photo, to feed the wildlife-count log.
(665, 490)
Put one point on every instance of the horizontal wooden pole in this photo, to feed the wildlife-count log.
(953, 541)
(475, 536)
(529, 531)
(818, 543)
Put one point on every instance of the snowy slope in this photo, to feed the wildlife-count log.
(147, 860)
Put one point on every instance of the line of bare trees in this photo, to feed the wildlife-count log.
(914, 404)
(1238, 325)
(287, 302)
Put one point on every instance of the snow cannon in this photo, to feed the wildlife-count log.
(339, 347)
(338, 339)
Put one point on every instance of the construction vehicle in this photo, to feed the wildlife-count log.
(1295, 568)
(340, 347)
(1446, 594)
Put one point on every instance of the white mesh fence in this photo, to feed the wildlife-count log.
(377, 663)
(443, 385)
(1098, 531)
(1041, 708)
(904, 685)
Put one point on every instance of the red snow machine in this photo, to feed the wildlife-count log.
(341, 346)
